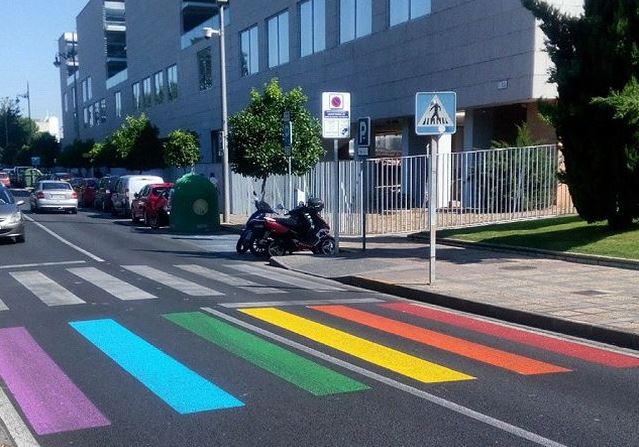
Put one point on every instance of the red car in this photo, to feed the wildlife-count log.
(86, 192)
(5, 180)
(150, 203)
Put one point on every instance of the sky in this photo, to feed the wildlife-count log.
(29, 32)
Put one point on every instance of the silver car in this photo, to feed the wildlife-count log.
(11, 220)
(54, 195)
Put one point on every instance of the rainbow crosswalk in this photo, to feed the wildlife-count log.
(52, 403)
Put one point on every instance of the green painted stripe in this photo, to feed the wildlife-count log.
(310, 376)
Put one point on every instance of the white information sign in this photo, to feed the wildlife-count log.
(336, 115)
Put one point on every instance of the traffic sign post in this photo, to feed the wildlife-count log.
(435, 114)
(363, 151)
(336, 124)
(287, 144)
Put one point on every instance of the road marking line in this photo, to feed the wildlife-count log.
(48, 398)
(42, 264)
(293, 368)
(496, 357)
(300, 302)
(180, 387)
(273, 274)
(436, 400)
(524, 337)
(234, 281)
(64, 241)
(375, 353)
(16, 427)
(110, 284)
(47, 290)
(172, 281)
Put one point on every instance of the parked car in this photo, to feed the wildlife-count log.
(125, 189)
(65, 176)
(86, 192)
(17, 173)
(5, 180)
(54, 195)
(11, 220)
(149, 205)
(102, 199)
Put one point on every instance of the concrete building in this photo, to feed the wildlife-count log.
(49, 124)
(149, 56)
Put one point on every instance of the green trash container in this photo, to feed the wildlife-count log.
(31, 177)
(194, 205)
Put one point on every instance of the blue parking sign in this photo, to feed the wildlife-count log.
(435, 113)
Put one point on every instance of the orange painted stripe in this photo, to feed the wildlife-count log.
(512, 362)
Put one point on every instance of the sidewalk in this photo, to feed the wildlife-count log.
(591, 301)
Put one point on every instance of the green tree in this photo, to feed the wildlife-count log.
(138, 144)
(45, 146)
(76, 155)
(255, 136)
(182, 149)
(15, 131)
(105, 154)
(596, 64)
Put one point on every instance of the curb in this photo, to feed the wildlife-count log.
(554, 324)
(580, 258)
(582, 330)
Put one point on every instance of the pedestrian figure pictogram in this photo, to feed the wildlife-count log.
(435, 115)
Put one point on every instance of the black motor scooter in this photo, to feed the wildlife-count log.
(254, 229)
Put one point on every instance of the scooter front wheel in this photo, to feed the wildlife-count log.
(327, 246)
(242, 244)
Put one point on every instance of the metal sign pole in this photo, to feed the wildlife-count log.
(291, 200)
(432, 208)
(363, 204)
(336, 194)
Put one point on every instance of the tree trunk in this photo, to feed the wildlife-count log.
(263, 187)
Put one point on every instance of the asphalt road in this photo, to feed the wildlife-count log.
(113, 335)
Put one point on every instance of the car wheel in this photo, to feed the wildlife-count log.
(74, 211)
(155, 222)
(134, 218)
(20, 239)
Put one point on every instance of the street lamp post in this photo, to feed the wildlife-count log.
(27, 96)
(208, 33)
(71, 55)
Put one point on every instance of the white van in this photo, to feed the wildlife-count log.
(125, 189)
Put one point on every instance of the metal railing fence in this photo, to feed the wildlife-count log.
(474, 188)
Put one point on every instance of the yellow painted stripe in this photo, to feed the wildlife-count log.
(375, 353)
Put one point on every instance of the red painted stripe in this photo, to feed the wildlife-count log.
(565, 347)
(465, 348)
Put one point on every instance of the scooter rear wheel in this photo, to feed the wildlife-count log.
(276, 248)
(258, 247)
(327, 246)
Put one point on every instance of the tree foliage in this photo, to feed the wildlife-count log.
(596, 64)
(255, 136)
(76, 155)
(138, 144)
(15, 131)
(105, 154)
(182, 149)
(43, 145)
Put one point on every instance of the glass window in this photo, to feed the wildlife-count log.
(136, 95)
(250, 54)
(355, 19)
(312, 27)
(278, 40)
(89, 88)
(85, 116)
(55, 185)
(65, 101)
(403, 10)
(171, 79)
(118, 104)
(147, 96)
(103, 111)
(158, 87)
(85, 95)
(205, 69)
(6, 197)
(91, 115)
(73, 97)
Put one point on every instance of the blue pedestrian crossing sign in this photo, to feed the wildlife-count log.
(435, 113)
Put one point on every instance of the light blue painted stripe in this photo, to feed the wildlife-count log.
(181, 388)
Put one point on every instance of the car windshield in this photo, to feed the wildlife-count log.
(6, 197)
(56, 185)
(3, 175)
(159, 190)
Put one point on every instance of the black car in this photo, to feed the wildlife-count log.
(102, 199)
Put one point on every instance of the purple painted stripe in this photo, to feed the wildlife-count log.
(47, 397)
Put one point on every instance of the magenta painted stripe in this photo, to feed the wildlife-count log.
(47, 397)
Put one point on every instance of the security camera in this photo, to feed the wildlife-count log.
(209, 32)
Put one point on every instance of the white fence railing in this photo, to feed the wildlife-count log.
(474, 187)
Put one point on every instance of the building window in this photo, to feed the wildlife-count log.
(312, 27)
(278, 39)
(91, 115)
(74, 98)
(85, 114)
(65, 101)
(89, 88)
(147, 95)
(250, 54)
(85, 94)
(103, 111)
(118, 104)
(403, 10)
(205, 69)
(136, 96)
(158, 87)
(171, 80)
(355, 19)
